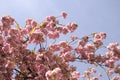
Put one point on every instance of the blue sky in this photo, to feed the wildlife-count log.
(90, 15)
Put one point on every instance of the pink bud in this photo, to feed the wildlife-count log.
(64, 15)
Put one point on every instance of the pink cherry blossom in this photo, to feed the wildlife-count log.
(116, 78)
(7, 20)
(94, 78)
(44, 31)
(75, 75)
(103, 35)
(63, 44)
(71, 26)
(97, 36)
(98, 43)
(36, 37)
(1, 25)
(80, 49)
(73, 38)
(1, 39)
(33, 23)
(81, 42)
(60, 29)
(110, 63)
(54, 47)
(6, 47)
(64, 30)
(68, 56)
(64, 15)
(93, 70)
(117, 69)
(28, 21)
(26, 53)
(53, 35)
(112, 46)
(90, 48)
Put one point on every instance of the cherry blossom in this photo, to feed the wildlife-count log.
(64, 14)
(50, 59)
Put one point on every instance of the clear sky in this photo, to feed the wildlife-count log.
(91, 15)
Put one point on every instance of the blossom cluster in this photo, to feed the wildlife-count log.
(52, 62)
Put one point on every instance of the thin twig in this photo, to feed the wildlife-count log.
(19, 72)
(104, 70)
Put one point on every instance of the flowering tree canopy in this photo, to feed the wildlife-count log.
(52, 62)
